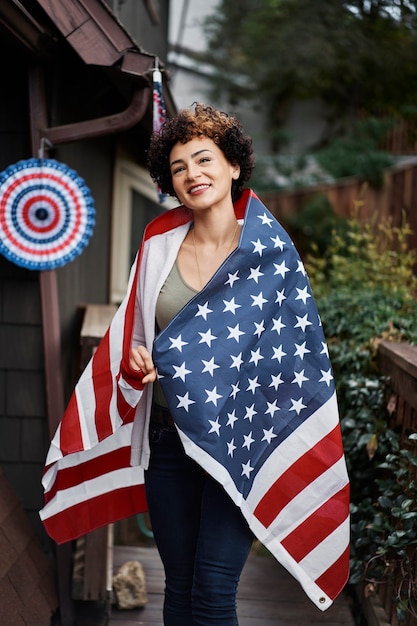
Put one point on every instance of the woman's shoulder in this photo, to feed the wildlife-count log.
(169, 220)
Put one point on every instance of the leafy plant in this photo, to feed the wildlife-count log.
(316, 221)
(357, 154)
(365, 287)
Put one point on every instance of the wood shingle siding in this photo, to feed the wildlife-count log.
(27, 574)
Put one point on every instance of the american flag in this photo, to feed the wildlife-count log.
(158, 109)
(247, 374)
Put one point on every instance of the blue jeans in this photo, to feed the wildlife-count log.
(200, 533)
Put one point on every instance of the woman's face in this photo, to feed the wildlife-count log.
(201, 175)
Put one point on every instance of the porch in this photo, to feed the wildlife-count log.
(267, 596)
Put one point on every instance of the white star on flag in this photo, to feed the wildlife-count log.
(326, 377)
(181, 372)
(299, 378)
(272, 408)
(203, 310)
(256, 356)
(207, 337)
(297, 405)
(276, 381)
(302, 322)
(301, 350)
(184, 402)
(266, 220)
(259, 328)
(231, 419)
(258, 247)
(232, 279)
(278, 353)
(212, 395)
(209, 366)
(258, 300)
(280, 297)
(248, 441)
(278, 325)
(250, 413)
(269, 435)
(278, 243)
(303, 294)
(177, 342)
(235, 332)
(231, 447)
(246, 469)
(230, 305)
(281, 269)
(237, 361)
(215, 426)
(255, 274)
(253, 384)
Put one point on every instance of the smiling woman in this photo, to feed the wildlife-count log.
(225, 326)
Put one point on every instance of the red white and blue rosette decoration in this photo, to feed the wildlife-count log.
(46, 214)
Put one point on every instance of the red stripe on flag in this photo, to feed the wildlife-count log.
(103, 388)
(96, 512)
(299, 475)
(124, 409)
(318, 526)
(336, 576)
(99, 466)
(70, 433)
(166, 222)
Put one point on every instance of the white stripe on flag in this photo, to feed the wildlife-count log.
(106, 483)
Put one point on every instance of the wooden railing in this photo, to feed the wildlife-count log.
(398, 361)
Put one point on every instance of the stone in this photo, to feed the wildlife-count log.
(129, 586)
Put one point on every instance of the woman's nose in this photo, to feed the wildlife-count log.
(193, 171)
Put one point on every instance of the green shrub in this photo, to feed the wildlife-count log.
(357, 154)
(316, 221)
(366, 289)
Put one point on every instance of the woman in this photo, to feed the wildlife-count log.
(202, 158)
(243, 414)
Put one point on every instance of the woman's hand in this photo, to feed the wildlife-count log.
(141, 361)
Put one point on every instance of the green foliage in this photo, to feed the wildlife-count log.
(351, 55)
(316, 221)
(366, 289)
(357, 154)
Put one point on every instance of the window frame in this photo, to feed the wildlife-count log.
(128, 176)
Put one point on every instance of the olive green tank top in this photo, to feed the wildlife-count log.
(175, 293)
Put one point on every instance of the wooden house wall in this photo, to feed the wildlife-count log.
(22, 386)
(85, 279)
(75, 92)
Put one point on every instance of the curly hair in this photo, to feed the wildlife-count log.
(205, 121)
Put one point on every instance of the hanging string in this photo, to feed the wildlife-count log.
(159, 111)
(45, 144)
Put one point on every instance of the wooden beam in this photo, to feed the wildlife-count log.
(52, 350)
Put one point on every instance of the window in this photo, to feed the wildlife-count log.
(135, 203)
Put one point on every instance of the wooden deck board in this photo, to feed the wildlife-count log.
(267, 595)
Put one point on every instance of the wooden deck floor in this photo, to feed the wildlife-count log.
(267, 596)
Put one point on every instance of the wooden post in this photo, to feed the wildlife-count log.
(52, 349)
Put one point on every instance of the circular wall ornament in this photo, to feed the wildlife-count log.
(46, 214)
